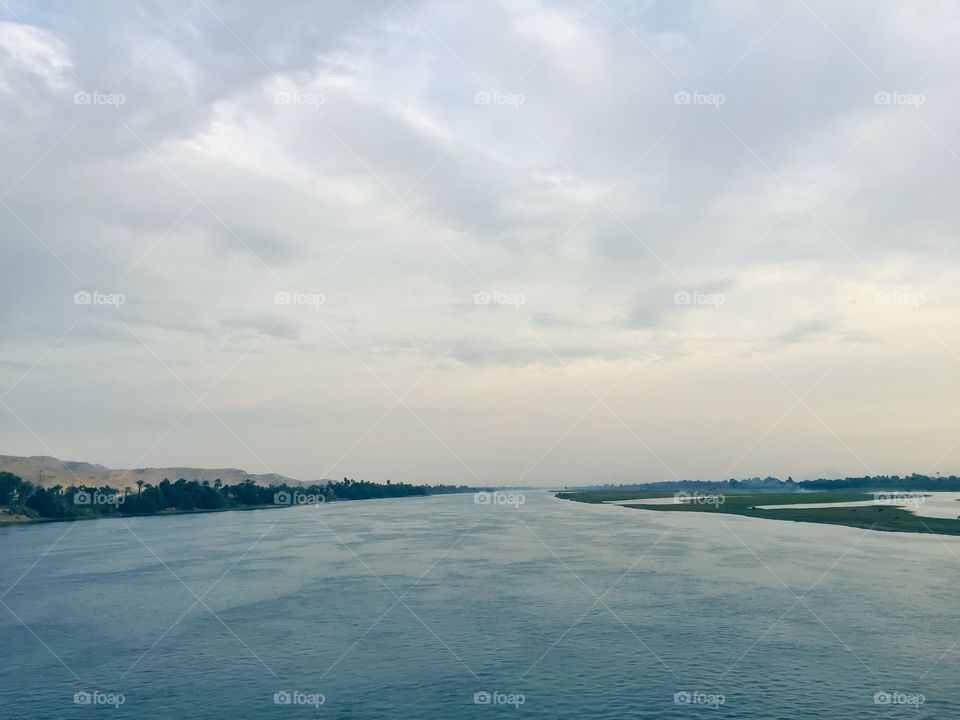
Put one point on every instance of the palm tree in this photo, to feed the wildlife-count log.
(140, 485)
(217, 484)
(24, 492)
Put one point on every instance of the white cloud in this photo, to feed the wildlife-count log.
(382, 185)
(35, 51)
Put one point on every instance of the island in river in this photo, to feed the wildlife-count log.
(883, 509)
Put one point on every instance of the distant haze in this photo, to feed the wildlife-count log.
(49, 471)
(497, 243)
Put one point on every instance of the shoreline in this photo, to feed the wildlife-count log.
(20, 520)
(875, 517)
(25, 520)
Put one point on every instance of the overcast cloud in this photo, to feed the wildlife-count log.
(498, 243)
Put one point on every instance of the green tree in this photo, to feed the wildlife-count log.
(9, 483)
(24, 492)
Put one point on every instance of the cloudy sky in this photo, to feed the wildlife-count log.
(489, 242)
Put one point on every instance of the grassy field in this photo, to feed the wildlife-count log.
(880, 517)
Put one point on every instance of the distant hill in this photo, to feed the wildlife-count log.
(48, 471)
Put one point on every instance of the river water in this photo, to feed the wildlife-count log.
(443, 608)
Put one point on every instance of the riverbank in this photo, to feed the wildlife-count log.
(886, 516)
(24, 502)
(8, 517)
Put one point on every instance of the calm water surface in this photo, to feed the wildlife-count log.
(408, 608)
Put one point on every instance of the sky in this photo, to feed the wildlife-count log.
(507, 243)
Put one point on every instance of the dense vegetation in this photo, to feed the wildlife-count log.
(772, 484)
(25, 498)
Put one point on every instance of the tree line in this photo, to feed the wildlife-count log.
(915, 481)
(59, 502)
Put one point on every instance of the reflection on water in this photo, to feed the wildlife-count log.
(443, 608)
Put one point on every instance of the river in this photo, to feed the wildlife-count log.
(441, 607)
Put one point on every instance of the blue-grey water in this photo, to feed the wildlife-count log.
(409, 608)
